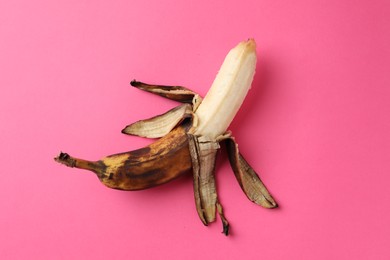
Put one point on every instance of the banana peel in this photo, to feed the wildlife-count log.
(189, 138)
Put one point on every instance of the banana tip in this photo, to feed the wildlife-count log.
(225, 230)
(65, 159)
(273, 205)
(251, 43)
(134, 82)
(125, 131)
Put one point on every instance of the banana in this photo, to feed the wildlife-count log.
(190, 137)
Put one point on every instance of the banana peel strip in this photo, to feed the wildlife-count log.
(176, 93)
(161, 125)
(248, 179)
(203, 155)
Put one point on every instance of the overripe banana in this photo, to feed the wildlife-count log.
(190, 136)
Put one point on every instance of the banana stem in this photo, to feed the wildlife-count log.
(70, 161)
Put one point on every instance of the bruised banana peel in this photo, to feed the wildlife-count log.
(190, 136)
(160, 162)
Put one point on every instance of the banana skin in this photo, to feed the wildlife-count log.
(162, 161)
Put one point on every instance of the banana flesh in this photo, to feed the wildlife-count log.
(190, 137)
(228, 90)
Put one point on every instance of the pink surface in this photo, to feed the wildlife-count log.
(316, 125)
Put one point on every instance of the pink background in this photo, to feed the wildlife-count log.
(316, 125)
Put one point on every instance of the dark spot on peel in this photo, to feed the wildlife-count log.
(147, 179)
(148, 176)
(99, 168)
(141, 151)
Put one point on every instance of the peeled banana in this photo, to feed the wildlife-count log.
(189, 138)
